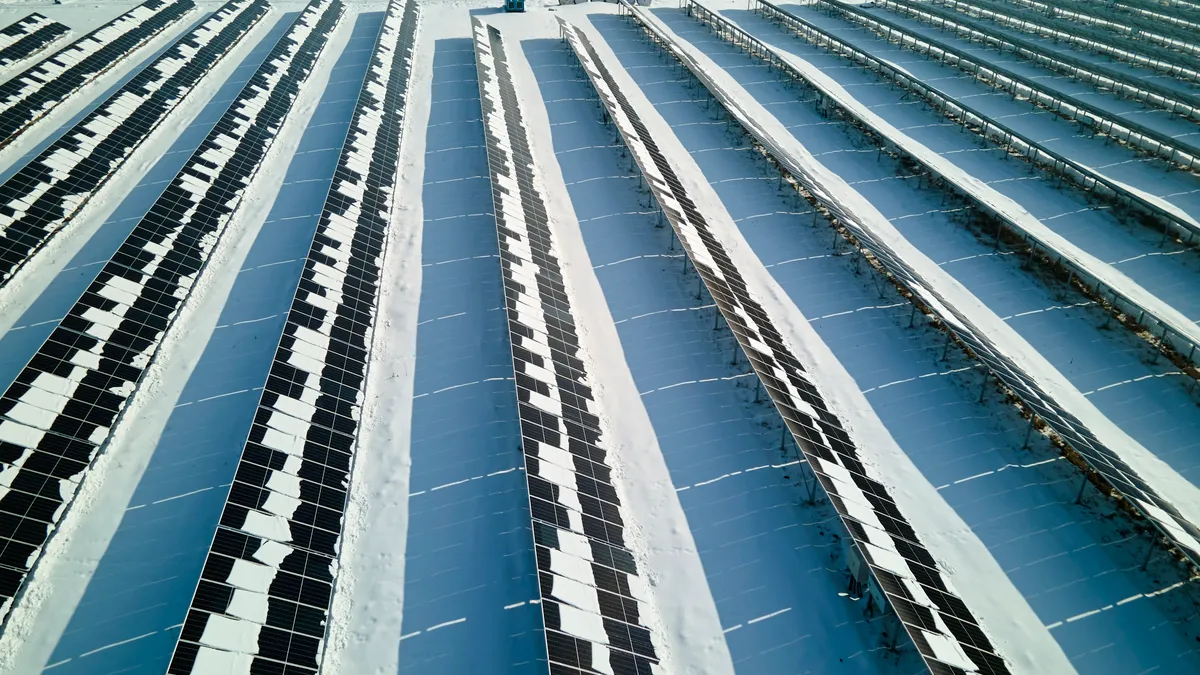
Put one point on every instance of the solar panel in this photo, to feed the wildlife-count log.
(58, 414)
(263, 599)
(1144, 139)
(1109, 17)
(42, 197)
(24, 39)
(1085, 38)
(942, 628)
(1103, 458)
(29, 96)
(592, 597)
(1120, 82)
(1173, 330)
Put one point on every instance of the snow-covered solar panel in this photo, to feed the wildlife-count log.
(35, 92)
(1178, 331)
(1105, 460)
(942, 627)
(1120, 82)
(263, 599)
(1088, 38)
(1110, 17)
(25, 38)
(58, 414)
(592, 597)
(1180, 152)
(43, 196)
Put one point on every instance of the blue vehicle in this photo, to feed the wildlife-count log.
(514, 5)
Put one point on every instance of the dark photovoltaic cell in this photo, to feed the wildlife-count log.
(31, 94)
(263, 600)
(42, 197)
(25, 38)
(941, 626)
(57, 416)
(592, 598)
(1104, 458)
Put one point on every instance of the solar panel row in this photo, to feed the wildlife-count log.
(1120, 82)
(1157, 13)
(35, 92)
(1108, 17)
(592, 598)
(940, 624)
(43, 196)
(1177, 331)
(1105, 459)
(1085, 38)
(25, 38)
(57, 416)
(1152, 143)
(263, 599)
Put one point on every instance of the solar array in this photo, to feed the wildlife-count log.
(1174, 331)
(1121, 83)
(593, 601)
(25, 38)
(1099, 14)
(1140, 137)
(942, 627)
(1103, 459)
(1155, 16)
(1078, 36)
(58, 414)
(263, 599)
(44, 195)
(35, 92)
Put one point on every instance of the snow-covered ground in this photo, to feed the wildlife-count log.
(973, 454)
(1061, 324)
(1168, 272)
(468, 566)
(747, 576)
(722, 452)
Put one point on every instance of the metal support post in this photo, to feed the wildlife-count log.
(946, 349)
(1149, 555)
(1028, 433)
(1082, 484)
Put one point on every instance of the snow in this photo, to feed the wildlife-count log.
(1182, 130)
(659, 531)
(443, 548)
(898, 411)
(702, 426)
(200, 382)
(1090, 380)
(1117, 163)
(1131, 54)
(739, 572)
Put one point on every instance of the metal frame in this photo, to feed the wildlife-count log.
(900, 565)
(1182, 339)
(1169, 524)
